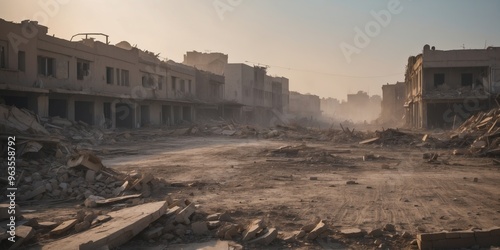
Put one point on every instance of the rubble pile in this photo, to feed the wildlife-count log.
(393, 137)
(305, 154)
(83, 178)
(481, 133)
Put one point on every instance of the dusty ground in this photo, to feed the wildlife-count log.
(244, 177)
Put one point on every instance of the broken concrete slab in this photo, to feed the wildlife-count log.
(352, 232)
(125, 224)
(183, 215)
(252, 229)
(319, 229)
(266, 238)
(64, 227)
(23, 234)
(87, 160)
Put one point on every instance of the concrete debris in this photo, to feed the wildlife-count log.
(252, 229)
(352, 232)
(126, 223)
(480, 133)
(266, 238)
(319, 229)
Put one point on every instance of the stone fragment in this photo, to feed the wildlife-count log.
(82, 226)
(352, 232)
(252, 229)
(266, 238)
(319, 229)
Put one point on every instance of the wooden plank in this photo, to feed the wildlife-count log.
(125, 224)
(372, 140)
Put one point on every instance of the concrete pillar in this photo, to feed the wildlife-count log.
(171, 121)
(71, 108)
(99, 119)
(113, 114)
(42, 105)
(193, 113)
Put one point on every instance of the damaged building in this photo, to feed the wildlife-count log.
(393, 100)
(91, 81)
(445, 87)
(249, 95)
(264, 98)
(305, 105)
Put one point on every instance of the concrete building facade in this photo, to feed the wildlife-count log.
(305, 105)
(91, 81)
(443, 88)
(393, 100)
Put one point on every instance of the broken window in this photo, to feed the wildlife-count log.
(109, 75)
(438, 79)
(46, 66)
(467, 79)
(174, 80)
(124, 78)
(3, 55)
(21, 61)
(82, 69)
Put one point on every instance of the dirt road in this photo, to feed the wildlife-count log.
(394, 185)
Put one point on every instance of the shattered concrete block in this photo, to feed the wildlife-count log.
(319, 229)
(173, 210)
(184, 214)
(231, 228)
(63, 227)
(266, 238)
(82, 226)
(252, 229)
(352, 232)
(300, 234)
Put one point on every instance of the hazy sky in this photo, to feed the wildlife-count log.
(298, 39)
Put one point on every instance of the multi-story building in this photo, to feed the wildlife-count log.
(91, 81)
(443, 87)
(393, 100)
(304, 105)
